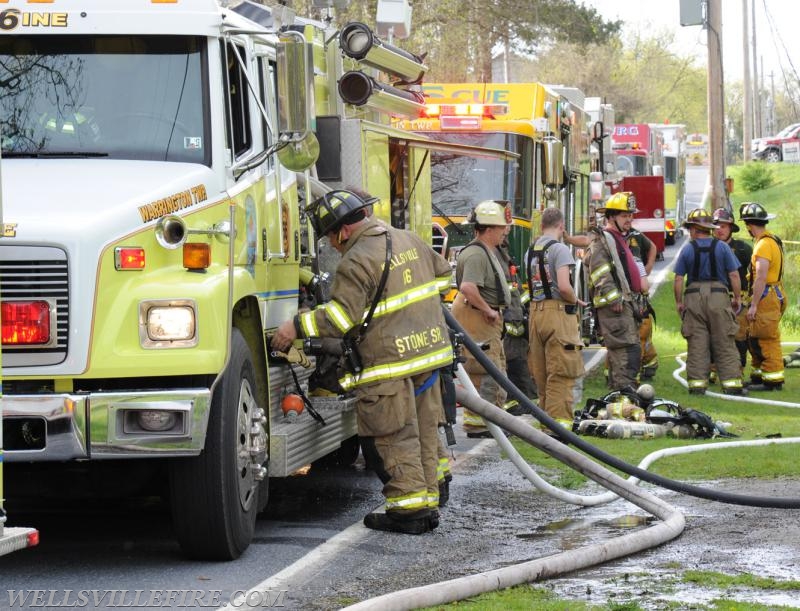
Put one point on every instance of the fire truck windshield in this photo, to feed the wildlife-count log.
(121, 97)
(459, 182)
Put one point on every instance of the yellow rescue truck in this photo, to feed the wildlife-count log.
(158, 156)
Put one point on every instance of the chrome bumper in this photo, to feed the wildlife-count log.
(96, 425)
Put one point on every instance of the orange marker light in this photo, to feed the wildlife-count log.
(196, 255)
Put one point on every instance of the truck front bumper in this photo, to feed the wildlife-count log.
(104, 425)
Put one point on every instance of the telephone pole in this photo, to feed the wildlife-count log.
(716, 108)
(747, 111)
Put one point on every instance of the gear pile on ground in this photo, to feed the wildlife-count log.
(638, 414)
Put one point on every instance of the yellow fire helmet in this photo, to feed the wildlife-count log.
(491, 212)
(624, 201)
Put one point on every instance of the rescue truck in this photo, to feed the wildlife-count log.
(158, 158)
(674, 148)
(639, 158)
(547, 135)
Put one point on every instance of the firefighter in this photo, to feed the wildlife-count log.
(555, 342)
(644, 252)
(726, 227)
(398, 412)
(482, 296)
(767, 300)
(515, 339)
(706, 307)
(614, 279)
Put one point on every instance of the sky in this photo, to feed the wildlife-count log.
(777, 38)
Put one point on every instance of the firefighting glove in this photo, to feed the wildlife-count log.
(294, 355)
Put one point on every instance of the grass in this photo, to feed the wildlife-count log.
(748, 421)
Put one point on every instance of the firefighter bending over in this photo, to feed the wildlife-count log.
(393, 364)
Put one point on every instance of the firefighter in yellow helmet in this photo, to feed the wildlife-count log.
(398, 412)
(483, 294)
(614, 280)
(708, 306)
(767, 300)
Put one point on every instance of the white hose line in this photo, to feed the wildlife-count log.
(739, 398)
(671, 526)
(723, 445)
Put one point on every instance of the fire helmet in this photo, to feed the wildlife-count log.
(723, 215)
(700, 218)
(753, 211)
(332, 210)
(491, 212)
(624, 201)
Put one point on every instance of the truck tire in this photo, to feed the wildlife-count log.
(214, 496)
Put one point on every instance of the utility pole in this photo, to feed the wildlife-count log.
(758, 126)
(716, 108)
(747, 111)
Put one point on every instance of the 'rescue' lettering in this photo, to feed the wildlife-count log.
(403, 257)
(173, 203)
(12, 18)
(418, 340)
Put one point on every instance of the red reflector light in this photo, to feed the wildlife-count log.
(33, 538)
(25, 322)
(128, 257)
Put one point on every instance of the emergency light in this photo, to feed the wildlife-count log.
(25, 322)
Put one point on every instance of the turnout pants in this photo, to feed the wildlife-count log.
(764, 339)
(555, 357)
(709, 326)
(392, 443)
(490, 335)
(649, 354)
(621, 338)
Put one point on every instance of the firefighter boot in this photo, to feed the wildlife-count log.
(409, 523)
(444, 490)
(433, 519)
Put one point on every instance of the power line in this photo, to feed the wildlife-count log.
(776, 36)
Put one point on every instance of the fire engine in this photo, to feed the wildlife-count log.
(545, 135)
(639, 158)
(157, 159)
(674, 148)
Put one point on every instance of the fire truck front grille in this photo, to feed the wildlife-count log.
(37, 273)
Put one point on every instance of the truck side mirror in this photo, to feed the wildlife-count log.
(553, 162)
(299, 149)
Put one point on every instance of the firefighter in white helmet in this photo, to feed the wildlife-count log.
(398, 412)
(483, 294)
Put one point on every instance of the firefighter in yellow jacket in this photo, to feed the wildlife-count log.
(767, 300)
(393, 368)
(483, 294)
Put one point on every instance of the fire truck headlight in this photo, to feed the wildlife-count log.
(167, 324)
(156, 420)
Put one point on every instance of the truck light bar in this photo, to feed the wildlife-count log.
(25, 322)
(488, 111)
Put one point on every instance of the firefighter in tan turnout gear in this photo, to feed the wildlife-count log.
(393, 323)
(483, 294)
(614, 280)
(708, 306)
(555, 341)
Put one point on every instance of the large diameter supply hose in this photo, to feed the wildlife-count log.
(570, 437)
(671, 526)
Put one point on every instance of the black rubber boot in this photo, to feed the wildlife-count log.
(408, 523)
(444, 490)
(764, 387)
(433, 519)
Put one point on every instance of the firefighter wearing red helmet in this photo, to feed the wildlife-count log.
(707, 310)
(483, 295)
(767, 299)
(726, 227)
(614, 279)
(394, 357)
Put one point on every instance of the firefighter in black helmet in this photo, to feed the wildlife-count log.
(767, 299)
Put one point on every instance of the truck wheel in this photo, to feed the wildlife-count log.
(773, 156)
(214, 496)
